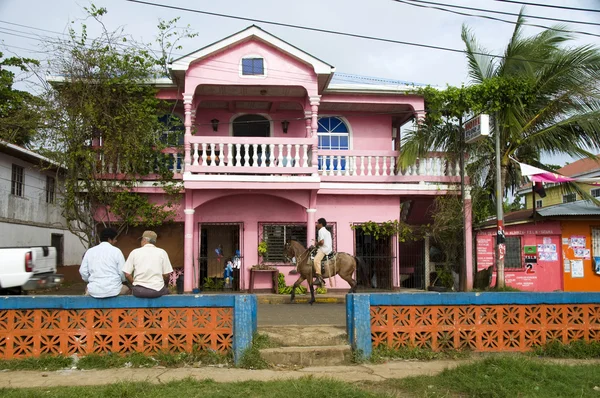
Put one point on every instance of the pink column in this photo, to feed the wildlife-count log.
(187, 123)
(468, 245)
(310, 219)
(314, 125)
(188, 244)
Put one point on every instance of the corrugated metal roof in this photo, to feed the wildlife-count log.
(579, 208)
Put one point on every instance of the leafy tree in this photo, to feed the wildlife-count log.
(105, 129)
(543, 96)
(19, 110)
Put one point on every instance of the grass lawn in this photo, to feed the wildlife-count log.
(305, 388)
(505, 376)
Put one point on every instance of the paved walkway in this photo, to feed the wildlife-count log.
(31, 379)
(301, 314)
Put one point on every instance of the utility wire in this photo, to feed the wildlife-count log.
(333, 32)
(549, 6)
(295, 75)
(416, 3)
(504, 12)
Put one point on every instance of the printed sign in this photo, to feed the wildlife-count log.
(577, 269)
(530, 249)
(485, 252)
(567, 265)
(548, 256)
(477, 128)
(577, 241)
(582, 253)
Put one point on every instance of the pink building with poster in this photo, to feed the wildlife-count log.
(273, 141)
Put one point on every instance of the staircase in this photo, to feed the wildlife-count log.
(315, 345)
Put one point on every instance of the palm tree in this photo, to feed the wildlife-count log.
(559, 113)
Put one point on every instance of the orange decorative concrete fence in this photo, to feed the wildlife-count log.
(470, 321)
(34, 326)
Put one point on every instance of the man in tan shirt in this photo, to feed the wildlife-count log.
(148, 268)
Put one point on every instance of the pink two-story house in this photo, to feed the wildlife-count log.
(273, 142)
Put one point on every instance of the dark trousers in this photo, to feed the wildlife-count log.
(144, 292)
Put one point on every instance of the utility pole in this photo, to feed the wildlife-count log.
(500, 245)
(463, 274)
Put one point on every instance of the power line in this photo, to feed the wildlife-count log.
(549, 6)
(296, 76)
(333, 32)
(505, 13)
(414, 3)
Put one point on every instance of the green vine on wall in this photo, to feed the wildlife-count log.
(404, 231)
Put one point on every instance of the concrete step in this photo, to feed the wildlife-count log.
(339, 298)
(308, 356)
(305, 336)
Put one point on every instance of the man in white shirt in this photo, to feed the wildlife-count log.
(325, 246)
(101, 268)
(148, 268)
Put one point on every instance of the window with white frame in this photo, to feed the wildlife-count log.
(17, 181)
(50, 189)
(539, 203)
(334, 135)
(253, 66)
(276, 236)
(595, 192)
(570, 197)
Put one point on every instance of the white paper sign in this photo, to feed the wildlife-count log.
(577, 269)
(567, 264)
(565, 241)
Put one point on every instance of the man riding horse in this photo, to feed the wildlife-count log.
(324, 248)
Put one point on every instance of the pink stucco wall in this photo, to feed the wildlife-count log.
(223, 68)
(252, 209)
(543, 276)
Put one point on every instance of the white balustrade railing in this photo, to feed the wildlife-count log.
(256, 155)
(383, 164)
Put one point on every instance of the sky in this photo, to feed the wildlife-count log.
(380, 18)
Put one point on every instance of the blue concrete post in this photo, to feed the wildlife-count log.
(350, 317)
(360, 324)
(244, 324)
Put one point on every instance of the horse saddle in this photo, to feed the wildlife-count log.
(329, 257)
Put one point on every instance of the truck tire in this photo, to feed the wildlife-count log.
(13, 291)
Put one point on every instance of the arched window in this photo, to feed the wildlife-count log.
(333, 134)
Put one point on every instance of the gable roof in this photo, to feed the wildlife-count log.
(320, 67)
(27, 155)
(579, 167)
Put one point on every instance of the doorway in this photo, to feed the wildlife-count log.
(58, 241)
(251, 126)
(378, 258)
(412, 264)
(218, 245)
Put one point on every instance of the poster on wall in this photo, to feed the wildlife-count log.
(577, 269)
(565, 241)
(567, 264)
(597, 265)
(578, 241)
(582, 253)
(548, 256)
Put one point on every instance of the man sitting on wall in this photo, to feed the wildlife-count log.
(148, 268)
(325, 246)
(101, 268)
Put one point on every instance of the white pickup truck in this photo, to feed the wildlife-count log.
(28, 268)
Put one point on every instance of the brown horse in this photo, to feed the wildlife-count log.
(344, 266)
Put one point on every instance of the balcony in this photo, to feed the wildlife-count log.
(380, 166)
(252, 156)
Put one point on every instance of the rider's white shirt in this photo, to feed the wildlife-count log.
(325, 236)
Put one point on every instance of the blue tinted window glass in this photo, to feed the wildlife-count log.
(333, 133)
(335, 142)
(344, 142)
(246, 66)
(253, 66)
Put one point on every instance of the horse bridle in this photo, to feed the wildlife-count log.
(299, 259)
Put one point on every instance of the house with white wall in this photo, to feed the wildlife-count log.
(30, 214)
